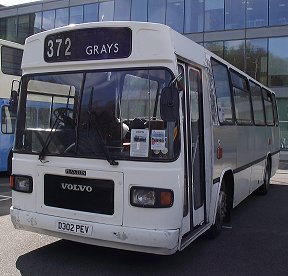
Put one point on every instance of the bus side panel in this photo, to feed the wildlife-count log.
(245, 145)
(259, 153)
(225, 138)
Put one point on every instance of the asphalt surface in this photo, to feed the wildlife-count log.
(255, 243)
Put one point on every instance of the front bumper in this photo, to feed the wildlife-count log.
(164, 242)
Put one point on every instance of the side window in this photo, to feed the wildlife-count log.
(7, 121)
(194, 87)
(222, 87)
(275, 110)
(11, 60)
(241, 99)
(257, 103)
(268, 103)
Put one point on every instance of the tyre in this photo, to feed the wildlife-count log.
(221, 213)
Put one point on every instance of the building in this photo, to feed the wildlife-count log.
(251, 34)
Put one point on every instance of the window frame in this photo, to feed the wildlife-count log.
(262, 101)
(233, 119)
(233, 86)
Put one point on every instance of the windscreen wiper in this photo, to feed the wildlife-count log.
(49, 137)
(100, 139)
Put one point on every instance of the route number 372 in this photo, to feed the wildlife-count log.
(55, 47)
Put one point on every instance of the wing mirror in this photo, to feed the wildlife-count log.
(169, 104)
(14, 94)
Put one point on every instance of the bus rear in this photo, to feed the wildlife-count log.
(97, 152)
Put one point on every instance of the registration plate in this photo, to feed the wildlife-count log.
(74, 228)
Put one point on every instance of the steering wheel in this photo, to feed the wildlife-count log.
(62, 114)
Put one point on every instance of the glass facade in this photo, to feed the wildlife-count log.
(234, 14)
(265, 58)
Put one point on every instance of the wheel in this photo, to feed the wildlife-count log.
(263, 189)
(221, 213)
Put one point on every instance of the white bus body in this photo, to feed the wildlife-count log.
(161, 187)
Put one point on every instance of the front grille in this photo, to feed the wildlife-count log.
(81, 194)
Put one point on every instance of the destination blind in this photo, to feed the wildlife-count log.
(88, 44)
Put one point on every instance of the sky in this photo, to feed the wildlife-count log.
(14, 2)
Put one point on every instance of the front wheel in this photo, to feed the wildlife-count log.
(221, 213)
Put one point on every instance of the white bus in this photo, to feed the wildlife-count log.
(150, 140)
(10, 62)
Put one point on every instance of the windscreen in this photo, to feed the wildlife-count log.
(110, 115)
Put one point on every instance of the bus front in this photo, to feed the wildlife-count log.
(97, 154)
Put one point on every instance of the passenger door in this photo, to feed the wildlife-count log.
(196, 145)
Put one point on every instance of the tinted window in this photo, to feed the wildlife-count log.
(91, 12)
(156, 11)
(25, 27)
(257, 13)
(48, 20)
(241, 99)
(278, 12)
(257, 103)
(175, 14)
(37, 22)
(214, 15)
(278, 62)
(234, 53)
(139, 10)
(234, 14)
(268, 103)
(122, 10)
(216, 47)
(222, 87)
(76, 15)
(256, 59)
(61, 17)
(7, 121)
(11, 60)
(106, 11)
(194, 16)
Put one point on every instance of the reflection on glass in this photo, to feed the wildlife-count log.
(122, 10)
(91, 13)
(48, 20)
(76, 15)
(106, 11)
(234, 52)
(278, 12)
(23, 28)
(139, 10)
(194, 16)
(283, 121)
(278, 62)
(214, 15)
(257, 13)
(234, 14)
(175, 14)
(156, 11)
(216, 47)
(37, 22)
(61, 17)
(256, 59)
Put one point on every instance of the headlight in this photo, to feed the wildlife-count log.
(151, 197)
(21, 183)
